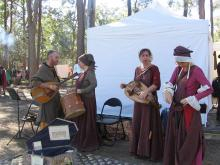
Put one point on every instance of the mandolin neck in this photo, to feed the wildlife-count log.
(74, 75)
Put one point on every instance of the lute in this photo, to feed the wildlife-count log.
(133, 90)
(44, 95)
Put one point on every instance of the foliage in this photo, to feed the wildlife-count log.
(106, 15)
(217, 30)
(140, 4)
(59, 31)
(59, 26)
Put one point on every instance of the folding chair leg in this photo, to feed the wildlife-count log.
(105, 131)
(22, 127)
(28, 111)
(32, 127)
(21, 130)
(41, 124)
(122, 125)
(37, 128)
(99, 129)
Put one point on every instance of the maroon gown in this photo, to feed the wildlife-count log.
(146, 119)
(87, 138)
(184, 142)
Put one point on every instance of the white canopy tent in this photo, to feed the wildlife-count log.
(115, 47)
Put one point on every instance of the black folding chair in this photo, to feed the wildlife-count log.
(110, 119)
(28, 117)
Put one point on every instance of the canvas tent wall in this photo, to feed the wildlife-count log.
(115, 47)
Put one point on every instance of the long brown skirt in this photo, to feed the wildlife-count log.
(147, 140)
(87, 138)
(184, 143)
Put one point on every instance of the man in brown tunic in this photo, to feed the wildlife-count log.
(46, 73)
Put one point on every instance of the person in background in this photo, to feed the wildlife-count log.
(27, 74)
(3, 80)
(23, 74)
(8, 76)
(18, 77)
(216, 92)
(13, 75)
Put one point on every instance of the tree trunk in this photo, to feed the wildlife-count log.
(7, 32)
(80, 27)
(135, 6)
(5, 47)
(201, 9)
(11, 14)
(31, 38)
(39, 32)
(170, 3)
(5, 15)
(74, 47)
(24, 34)
(211, 19)
(5, 56)
(129, 7)
(185, 7)
(10, 30)
(91, 13)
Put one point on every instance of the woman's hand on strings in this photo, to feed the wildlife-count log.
(143, 94)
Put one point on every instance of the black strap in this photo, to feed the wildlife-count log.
(142, 73)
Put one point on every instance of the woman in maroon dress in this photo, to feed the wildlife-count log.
(184, 143)
(147, 141)
(87, 138)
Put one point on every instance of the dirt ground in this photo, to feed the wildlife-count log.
(8, 127)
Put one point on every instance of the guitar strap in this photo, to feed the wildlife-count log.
(142, 73)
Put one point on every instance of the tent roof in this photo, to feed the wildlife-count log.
(115, 47)
(156, 18)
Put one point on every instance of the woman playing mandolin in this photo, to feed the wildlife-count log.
(146, 125)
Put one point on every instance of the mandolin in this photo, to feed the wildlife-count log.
(44, 95)
(133, 89)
